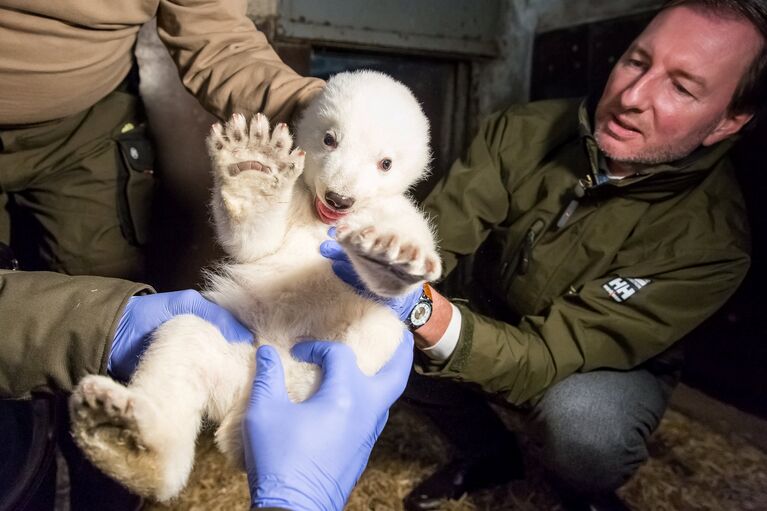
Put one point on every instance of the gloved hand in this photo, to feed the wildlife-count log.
(144, 313)
(309, 456)
(342, 267)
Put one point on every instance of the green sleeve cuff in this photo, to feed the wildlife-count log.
(498, 357)
(452, 367)
(57, 328)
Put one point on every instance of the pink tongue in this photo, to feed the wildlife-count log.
(326, 214)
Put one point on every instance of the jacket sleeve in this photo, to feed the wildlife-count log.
(465, 207)
(591, 329)
(56, 328)
(227, 63)
(474, 198)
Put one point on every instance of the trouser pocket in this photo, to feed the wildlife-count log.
(136, 184)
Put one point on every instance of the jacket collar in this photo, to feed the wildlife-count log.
(654, 182)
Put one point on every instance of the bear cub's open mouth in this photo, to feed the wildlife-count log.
(327, 214)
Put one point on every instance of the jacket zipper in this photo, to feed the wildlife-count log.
(527, 245)
(579, 191)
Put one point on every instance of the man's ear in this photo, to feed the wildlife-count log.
(728, 126)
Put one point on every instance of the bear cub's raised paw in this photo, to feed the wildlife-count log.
(390, 263)
(248, 159)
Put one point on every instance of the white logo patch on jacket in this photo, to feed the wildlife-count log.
(621, 289)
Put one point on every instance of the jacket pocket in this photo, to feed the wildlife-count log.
(517, 259)
(136, 184)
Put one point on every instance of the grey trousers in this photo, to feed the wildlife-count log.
(590, 430)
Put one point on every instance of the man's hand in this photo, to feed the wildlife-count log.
(143, 314)
(343, 268)
(309, 456)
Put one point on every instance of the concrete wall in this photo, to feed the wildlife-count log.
(501, 51)
(554, 14)
(506, 79)
(493, 39)
(455, 27)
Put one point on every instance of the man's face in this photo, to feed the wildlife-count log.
(670, 92)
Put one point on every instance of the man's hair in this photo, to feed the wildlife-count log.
(751, 94)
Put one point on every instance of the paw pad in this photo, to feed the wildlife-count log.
(238, 147)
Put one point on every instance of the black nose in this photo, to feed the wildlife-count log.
(339, 201)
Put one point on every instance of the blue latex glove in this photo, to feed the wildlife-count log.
(144, 313)
(342, 267)
(309, 456)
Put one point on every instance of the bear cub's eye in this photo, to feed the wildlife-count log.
(384, 164)
(329, 140)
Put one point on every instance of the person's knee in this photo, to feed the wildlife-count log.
(594, 463)
(589, 444)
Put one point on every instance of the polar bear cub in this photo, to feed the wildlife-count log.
(363, 142)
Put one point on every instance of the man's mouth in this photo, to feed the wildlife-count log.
(621, 129)
(327, 214)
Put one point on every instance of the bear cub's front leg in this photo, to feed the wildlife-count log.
(393, 250)
(254, 173)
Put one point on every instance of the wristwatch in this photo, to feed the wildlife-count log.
(421, 313)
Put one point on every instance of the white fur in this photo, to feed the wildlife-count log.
(276, 282)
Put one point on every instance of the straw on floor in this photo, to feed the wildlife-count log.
(691, 467)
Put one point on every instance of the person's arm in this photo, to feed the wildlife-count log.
(56, 328)
(581, 331)
(591, 328)
(227, 63)
(472, 198)
(309, 456)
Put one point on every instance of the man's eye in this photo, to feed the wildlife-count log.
(635, 63)
(681, 90)
(329, 140)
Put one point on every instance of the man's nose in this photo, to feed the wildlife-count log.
(639, 93)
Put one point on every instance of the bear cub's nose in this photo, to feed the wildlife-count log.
(339, 201)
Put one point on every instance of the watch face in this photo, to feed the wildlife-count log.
(420, 314)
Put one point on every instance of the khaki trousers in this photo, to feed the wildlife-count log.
(75, 193)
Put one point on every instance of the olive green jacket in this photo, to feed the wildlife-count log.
(56, 328)
(564, 273)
